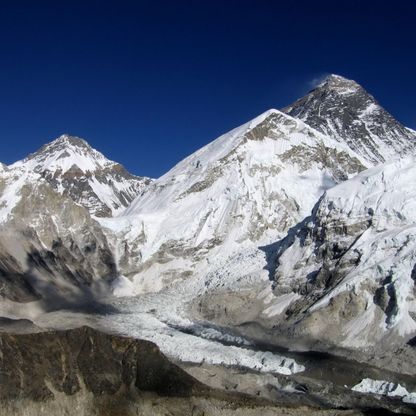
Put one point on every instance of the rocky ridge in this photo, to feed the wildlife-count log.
(350, 267)
(86, 372)
(74, 169)
(53, 252)
(342, 109)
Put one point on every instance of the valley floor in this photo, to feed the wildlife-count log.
(223, 359)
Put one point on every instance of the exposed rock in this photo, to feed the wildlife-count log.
(86, 372)
(74, 169)
(50, 247)
(342, 109)
(34, 366)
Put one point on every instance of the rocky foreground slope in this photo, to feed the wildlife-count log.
(86, 372)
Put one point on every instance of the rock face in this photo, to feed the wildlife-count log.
(38, 366)
(76, 170)
(50, 247)
(85, 372)
(346, 274)
(89, 373)
(342, 109)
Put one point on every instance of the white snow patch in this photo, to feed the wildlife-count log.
(121, 287)
(280, 303)
(384, 388)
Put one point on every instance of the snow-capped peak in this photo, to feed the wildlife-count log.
(244, 188)
(342, 109)
(65, 153)
(70, 141)
(75, 169)
(340, 84)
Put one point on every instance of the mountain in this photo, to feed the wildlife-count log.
(242, 190)
(74, 169)
(281, 232)
(345, 111)
(347, 274)
(52, 251)
(209, 222)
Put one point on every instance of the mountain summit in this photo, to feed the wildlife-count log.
(75, 169)
(345, 111)
(338, 81)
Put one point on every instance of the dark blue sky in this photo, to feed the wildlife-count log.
(148, 82)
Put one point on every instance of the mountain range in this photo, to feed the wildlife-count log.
(296, 228)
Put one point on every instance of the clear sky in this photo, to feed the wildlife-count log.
(149, 82)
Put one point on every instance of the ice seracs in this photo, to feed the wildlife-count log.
(385, 388)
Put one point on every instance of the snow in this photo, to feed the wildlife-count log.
(280, 303)
(343, 110)
(58, 157)
(153, 318)
(161, 318)
(386, 246)
(357, 328)
(232, 194)
(384, 388)
(380, 204)
(208, 224)
(370, 110)
(343, 85)
(62, 155)
(121, 286)
(13, 180)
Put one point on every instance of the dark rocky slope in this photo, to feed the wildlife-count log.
(85, 372)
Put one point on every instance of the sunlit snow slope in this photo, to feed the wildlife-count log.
(242, 190)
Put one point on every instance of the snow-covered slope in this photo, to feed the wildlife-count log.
(240, 191)
(73, 168)
(343, 110)
(351, 266)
